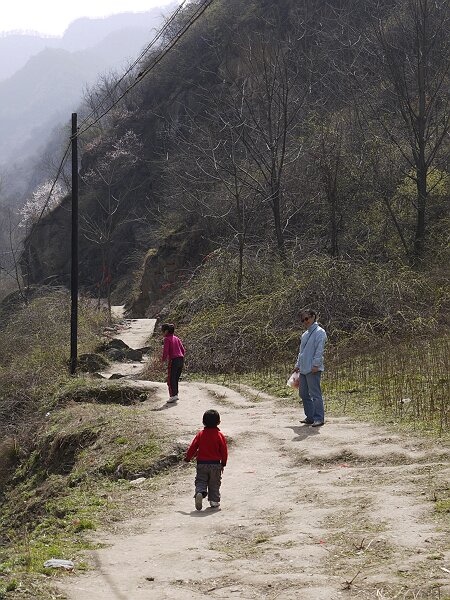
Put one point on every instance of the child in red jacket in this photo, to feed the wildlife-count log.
(210, 448)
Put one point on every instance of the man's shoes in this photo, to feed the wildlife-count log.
(307, 421)
(198, 500)
(172, 399)
(317, 424)
(214, 504)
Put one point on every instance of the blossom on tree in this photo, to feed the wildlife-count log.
(41, 202)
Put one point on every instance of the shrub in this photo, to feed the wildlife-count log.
(359, 303)
(34, 353)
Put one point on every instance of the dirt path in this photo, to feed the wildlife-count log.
(135, 333)
(303, 512)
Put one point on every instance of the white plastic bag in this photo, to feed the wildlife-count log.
(294, 380)
(59, 563)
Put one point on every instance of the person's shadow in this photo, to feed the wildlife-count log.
(165, 406)
(200, 513)
(303, 432)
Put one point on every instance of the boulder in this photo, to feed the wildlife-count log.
(90, 363)
(114, 354)
(134, 355)
(117, 345)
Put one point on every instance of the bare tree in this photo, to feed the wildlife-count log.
(410, 67)
(110, 182)
(267, 105)
(217, 183)
(340, 169)
(9, 259)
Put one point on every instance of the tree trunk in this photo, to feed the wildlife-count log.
(276, 209)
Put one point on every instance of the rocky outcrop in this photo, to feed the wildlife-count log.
(46, 258)
(47, 249)
(166, 268)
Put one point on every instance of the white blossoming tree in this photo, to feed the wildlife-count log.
(42, 201)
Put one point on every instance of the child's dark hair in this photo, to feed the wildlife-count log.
(211, 418)
(168, 327)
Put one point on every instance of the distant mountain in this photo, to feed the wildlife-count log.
(85, 33)
(49, 86)
(17, 48)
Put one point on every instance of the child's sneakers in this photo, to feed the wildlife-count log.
(198, 500)
(214, 504)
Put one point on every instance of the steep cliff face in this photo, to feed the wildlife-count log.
(47, 252)
(166, 268)
(46, 258)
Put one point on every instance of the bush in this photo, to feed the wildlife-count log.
(34, 354)
(359, 304)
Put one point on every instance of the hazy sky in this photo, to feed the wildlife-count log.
(52, 18)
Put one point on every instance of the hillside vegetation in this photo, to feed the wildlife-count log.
(314, 129)
(281, 155)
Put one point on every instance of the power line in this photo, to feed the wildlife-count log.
(147, 48)
(196, 15)
(171, 44)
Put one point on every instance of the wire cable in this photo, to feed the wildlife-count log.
(147, 48)
(193, 18)
(196, 15)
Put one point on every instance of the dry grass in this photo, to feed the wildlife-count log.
(34, 353)
(408, 381)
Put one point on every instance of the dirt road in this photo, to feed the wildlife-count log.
(342, 511)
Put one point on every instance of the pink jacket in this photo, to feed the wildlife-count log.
(173, 347)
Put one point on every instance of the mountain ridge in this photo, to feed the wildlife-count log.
(81, 34)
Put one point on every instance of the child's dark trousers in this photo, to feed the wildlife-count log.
(174, 369)
(208, 480)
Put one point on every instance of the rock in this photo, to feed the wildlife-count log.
(117, 344)
(90, 363)
(134, 355)
(115, 354)
(117, 376)
(137, 481)
(145, 349)
(124, 354)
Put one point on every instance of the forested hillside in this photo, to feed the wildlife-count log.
(278, 144)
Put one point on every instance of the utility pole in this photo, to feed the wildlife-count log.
(74, 264)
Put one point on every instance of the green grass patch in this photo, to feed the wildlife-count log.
(442, 506)
(52, 512)
(134, 460)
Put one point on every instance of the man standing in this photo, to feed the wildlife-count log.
(310, 365)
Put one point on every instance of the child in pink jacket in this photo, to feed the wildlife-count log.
(173, 352)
